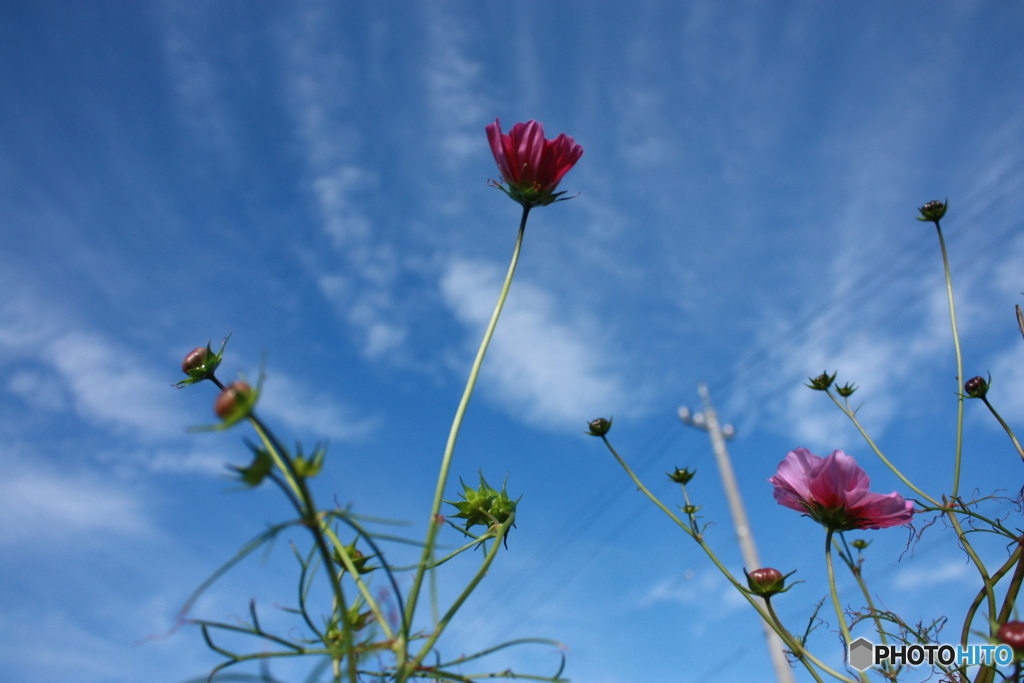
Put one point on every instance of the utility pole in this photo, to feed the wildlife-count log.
(708, 421)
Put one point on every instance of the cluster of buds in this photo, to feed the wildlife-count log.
(823, 382)
(235, 401)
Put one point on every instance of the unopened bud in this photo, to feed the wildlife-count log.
(1012, 633)
(200, 363)
(599, 427)
(766, 581)
(235, 401)
(933, 211)
(195, 359)
(681, 476)
(846, 390)
(976, 387)
(822, 382)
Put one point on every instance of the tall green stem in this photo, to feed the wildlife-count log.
(442, 479)
(959, 363)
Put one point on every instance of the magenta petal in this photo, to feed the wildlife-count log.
(497, 141)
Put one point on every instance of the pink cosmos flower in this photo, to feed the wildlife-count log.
(531, 165)
(834, 491)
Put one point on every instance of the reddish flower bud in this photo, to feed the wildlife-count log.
(1012, 633)
(195, 359)
(976, 387)
(766, 581)
(200, 363)
(235, 401)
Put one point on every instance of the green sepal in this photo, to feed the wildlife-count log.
(309, 467)
(261, 466)
(484, 506)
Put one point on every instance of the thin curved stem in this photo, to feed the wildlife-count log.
(499, 535)
(855, 569)
(835, 597)
(959, 363)
(721, 567)
(845, 407)
(1006, 427)
(453, 435)
(790, 640)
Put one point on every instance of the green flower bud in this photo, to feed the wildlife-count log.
(599, 427)
(933, 211)
(846, 390)
(681, 476)
(484, 505)
(262, 465)
(359, 561)
(822, 382)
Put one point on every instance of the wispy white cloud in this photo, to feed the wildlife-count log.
(110, 388)
(199, 83)
(538, 367)
(705, 590)
(362, 278)
(926, 577)
(41, 504)
(455, 91)
(95, 377)
(308, 411)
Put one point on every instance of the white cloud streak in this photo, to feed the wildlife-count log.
(38, 505)
(538, 367)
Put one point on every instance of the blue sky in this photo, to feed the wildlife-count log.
(312, 178)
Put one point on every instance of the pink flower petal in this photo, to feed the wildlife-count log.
(835, 492)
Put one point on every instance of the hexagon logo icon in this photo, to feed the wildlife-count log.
(861, 654)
